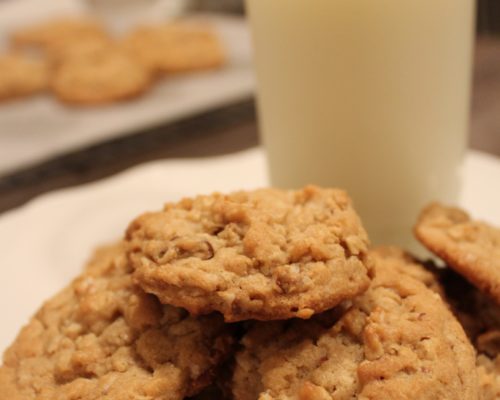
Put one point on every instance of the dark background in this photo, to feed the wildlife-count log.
(488, 16)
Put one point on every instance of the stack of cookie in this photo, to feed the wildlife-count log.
(262, 295)
(472, 283)
(82, 63)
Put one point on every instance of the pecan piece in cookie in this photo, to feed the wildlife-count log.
(266, 254)
(398, 340)
(104, 338)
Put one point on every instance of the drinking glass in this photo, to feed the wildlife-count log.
(367, 95)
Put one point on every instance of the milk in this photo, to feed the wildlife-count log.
(368, 95)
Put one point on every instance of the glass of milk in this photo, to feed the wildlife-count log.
(368, 95)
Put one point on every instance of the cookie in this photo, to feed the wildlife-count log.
(480, 317)
(78, 48)
(426, 272)
(265, 254)
(21, 76)
(470, 247)
(398, 340)
(489, 377)
(476, 312)
(50, 33)
(176, 47)
(101, 76)
(487, 345)
(102, 337)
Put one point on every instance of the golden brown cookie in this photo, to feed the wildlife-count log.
(471, 248)
(50, 33)
(101, 76)
(397, 341)
(176, 47)
(21, 76)
(489, 377)
(476, 312)
(480, 318)
(104, 338)
(488, 362)
(407, 264)
(478, 315)
(265, 254)
(78, 48)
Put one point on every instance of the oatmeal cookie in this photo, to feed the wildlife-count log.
(21, 76)
(480, 317)
(488, 363)
(476, 312)
(470, 247)
(50, 33)
(103, 337)
(489, 377)
(101, 76)
(78, 48)
(176, 47)
(426, 272)
(397, 341)
(265, 254)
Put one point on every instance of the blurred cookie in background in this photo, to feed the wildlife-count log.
(176, 47)
(49, 33)
(84, 64)
(22, 75)
(77, 48)
(102, 76)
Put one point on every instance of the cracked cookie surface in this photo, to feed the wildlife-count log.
(398, 340)
(103, 337)
(471, 248)
(265, 254)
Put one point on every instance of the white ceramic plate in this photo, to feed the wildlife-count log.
(46, 242)
(38, 128)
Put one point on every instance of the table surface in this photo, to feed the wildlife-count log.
(223, 131)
